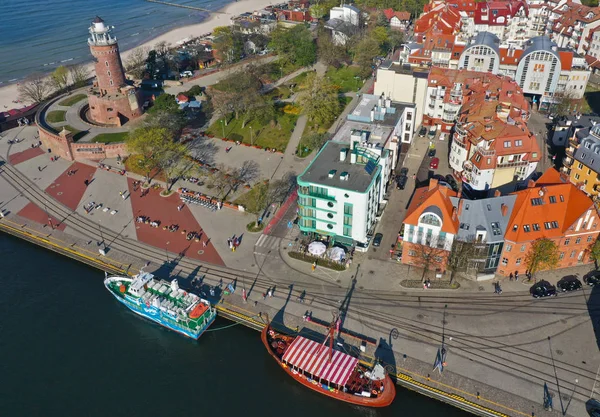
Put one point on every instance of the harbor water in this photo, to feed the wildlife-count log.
(69, 348)
(40, 35)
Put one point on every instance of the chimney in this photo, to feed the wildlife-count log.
(373, 114)
(433, 183)
(454, 214)
(388, 103)
(530, 184)
(504, 209)
(353, 158)
(497, 193)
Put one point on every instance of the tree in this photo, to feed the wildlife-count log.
(315, 140)
(365, 50)
(248, 172)
(328, 52)
(228, 44)
(294, 45)
(594, 252)
(319, 101)
(565, 103)
(428, 258)
(543, 254)
(79, 75)
(174, 122)
(135, 64)
(148, 143)
(395, 39)
(380, 34)
(259, 203)
(461, 253)
(60, 78)
(317, 11)
(165, 102)
(34, 88)
(382, 20)
(171, 161)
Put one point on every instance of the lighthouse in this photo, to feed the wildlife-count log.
(112, 100)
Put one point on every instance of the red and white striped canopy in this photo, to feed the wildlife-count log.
(312, 357)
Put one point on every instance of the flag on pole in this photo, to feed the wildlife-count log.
(244, 296)
(440, 360)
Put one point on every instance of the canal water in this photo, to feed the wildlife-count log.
(68, 348)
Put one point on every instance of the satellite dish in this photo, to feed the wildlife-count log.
(541, 193)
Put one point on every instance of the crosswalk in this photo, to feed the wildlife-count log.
(266, 243)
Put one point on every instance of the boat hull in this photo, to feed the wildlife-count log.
(381, 401)
(157, 317)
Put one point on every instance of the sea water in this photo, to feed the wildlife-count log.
(40, 35)
(70, 349)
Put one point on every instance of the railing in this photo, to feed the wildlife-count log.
(512, 164)
(568, 161)
(570, 151)
(486, 152)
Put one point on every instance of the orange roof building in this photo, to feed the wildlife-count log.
(502, 227)
(553, 208)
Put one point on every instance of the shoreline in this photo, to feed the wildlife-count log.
(220, 17)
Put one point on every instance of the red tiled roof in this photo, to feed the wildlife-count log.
(566, 210)
(389, 13)
(433, 196)
(507, 59)
(490, 13)
(592, 61)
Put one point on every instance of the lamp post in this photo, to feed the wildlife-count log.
(223, 126)
(167, 251)
(48, 215)
(251, 137)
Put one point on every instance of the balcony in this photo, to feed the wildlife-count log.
(568, 161)
(596, 187)
(486, 152)
(566, 170)
(512, 164)
(570, 151)
(573, 142)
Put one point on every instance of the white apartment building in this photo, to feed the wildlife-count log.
(343, 22)
(339, 193)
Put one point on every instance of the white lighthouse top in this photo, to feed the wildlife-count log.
(100, 33)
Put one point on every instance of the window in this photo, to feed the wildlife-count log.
(430, 219)
(330, 215)
(438, 259)
(567, 240)
(578, 241)
(515, 227)
(330, 226)
(536, 202)
(108, 73)
(330, 204)
(518, 261)
(464, 226)
(518, 143)
(589, 239)
(572, 255)
(562, 199)
(547, 225)
(508, 248)
(507, 144)
(523, 248)
(552, 199)
(347, 231)
(561, 256)
(504, 261)
(412, 253)
(106, 63)
(409, 116)
(489, 207)
(579, 165)
(348, 209)
(554, 225)
(536, 226)
(111, 82)
(526, 228)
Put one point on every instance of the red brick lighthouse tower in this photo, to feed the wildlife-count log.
(112, 101)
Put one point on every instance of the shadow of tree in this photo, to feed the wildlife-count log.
(593, 305)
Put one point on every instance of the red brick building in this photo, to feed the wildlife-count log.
(552, 208)
(111, 100)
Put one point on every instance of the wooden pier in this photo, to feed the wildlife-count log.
(183, 6)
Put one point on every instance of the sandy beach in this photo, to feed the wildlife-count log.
(10, 93)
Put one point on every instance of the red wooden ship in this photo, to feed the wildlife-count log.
(328, 371)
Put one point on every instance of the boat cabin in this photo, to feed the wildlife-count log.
(137, 285)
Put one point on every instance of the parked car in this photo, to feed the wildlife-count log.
(377, 239)
(450, 180)
(542, 289)
(401, 184)
(432, 133)
(569, 283)
(435, 163)
(592, 279)
(422, 132)
(431, 152)
(186, 74)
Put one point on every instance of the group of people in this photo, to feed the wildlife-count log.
(528, 275)
(426, 284)
(36, 145)
(233, 243)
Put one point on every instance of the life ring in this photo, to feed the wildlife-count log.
(284, 365)
(294, 372)
(147, 304)
(374, 392)
(335, 391)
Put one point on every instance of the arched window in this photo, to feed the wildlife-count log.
(106, 63)
(430, 219)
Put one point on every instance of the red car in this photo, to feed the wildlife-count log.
(435, 162)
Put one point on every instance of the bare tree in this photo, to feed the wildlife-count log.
(135, 64)
(34, 88)
(248, 172)
(565, 102)
(461, 254)
(60, 78)
(428, 258)
(79, 75)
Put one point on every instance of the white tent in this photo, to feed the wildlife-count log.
(336, 253)
(317, 248)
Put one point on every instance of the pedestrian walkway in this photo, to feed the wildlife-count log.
(267, 244)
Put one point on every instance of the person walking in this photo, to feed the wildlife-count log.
(516, 275)
(510, 277)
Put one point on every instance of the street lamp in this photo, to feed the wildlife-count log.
(251, 137)
(166, 251)
(48, 215)
(223, 126)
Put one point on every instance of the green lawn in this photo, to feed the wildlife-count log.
(77, 134)
(344, 78)
(279, 93)
(273, 71)
(69, 101)
(299, 81)
(245, 199)
(591, 102)
(263, 134)
(111, 137)
(56, 116)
